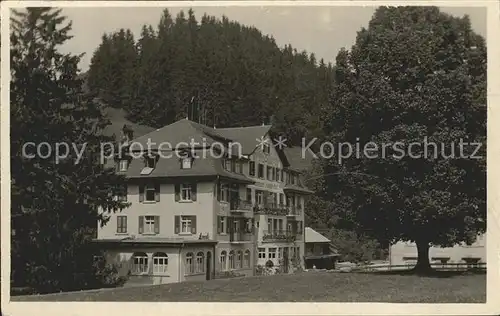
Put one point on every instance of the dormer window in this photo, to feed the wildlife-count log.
(186, 163)
(226, 164)
(266, 148)
(123, 165)
(150, 162)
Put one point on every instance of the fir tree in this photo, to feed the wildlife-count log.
(54, 203)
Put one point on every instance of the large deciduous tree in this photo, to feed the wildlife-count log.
(415, 75)
(54, 202)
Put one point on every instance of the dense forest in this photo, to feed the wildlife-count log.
(215, 71)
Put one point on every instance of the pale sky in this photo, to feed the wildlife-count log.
(321, 30)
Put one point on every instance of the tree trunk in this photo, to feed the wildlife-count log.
(423, 265)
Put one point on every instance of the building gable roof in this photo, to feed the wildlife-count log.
(186, 131)
(299, 160)
(247, 137)
(313, 236)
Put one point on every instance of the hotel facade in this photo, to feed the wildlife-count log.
(205, 203)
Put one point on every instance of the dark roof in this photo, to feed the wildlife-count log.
(298, 160)
(169, 166)
(297, 188)
(247, 137)
(188, 131)
(182, 131)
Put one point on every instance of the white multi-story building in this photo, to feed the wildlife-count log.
(227, 203)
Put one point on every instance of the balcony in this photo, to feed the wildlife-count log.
(294, 211)
(240, 206)
(243, 236)
(277, 209)
(271, 209)
(278, 236)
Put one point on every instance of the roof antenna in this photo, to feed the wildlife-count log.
(191, 107)
(213, 114)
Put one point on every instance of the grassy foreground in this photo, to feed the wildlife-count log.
(304, 287)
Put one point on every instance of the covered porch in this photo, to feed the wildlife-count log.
(148, 261)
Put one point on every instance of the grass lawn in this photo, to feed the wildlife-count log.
(304, 287)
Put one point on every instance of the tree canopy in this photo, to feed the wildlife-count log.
(216, 71)
(54, 202)
(415, 75)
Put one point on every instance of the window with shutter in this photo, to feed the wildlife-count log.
(219, 224)
(251, 167)
(194, 190)
(157, 192)
(177, 224)
(157, 224)
(121, 224)
(141, 224)
(217, 190)
(177, 192)
(141, 193)
(193, 224)
(249, 194)
(149, 224)
(186, 224)
(186, 192)
(150, 193)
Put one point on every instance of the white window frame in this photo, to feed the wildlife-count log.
(239, 259)
(188, 224)
(189, 265)
(236, 226)
(223, 260)
(262, 253)
(147, 188)
(140, 264)
(272, 253)
(259, 197)
(149, 224)
(186, 189)
(231, 260)
(246, 259)
(223, 225)
(186, 163)
(123, 165)
(160, 263)
(224, 193)
(200, 262)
